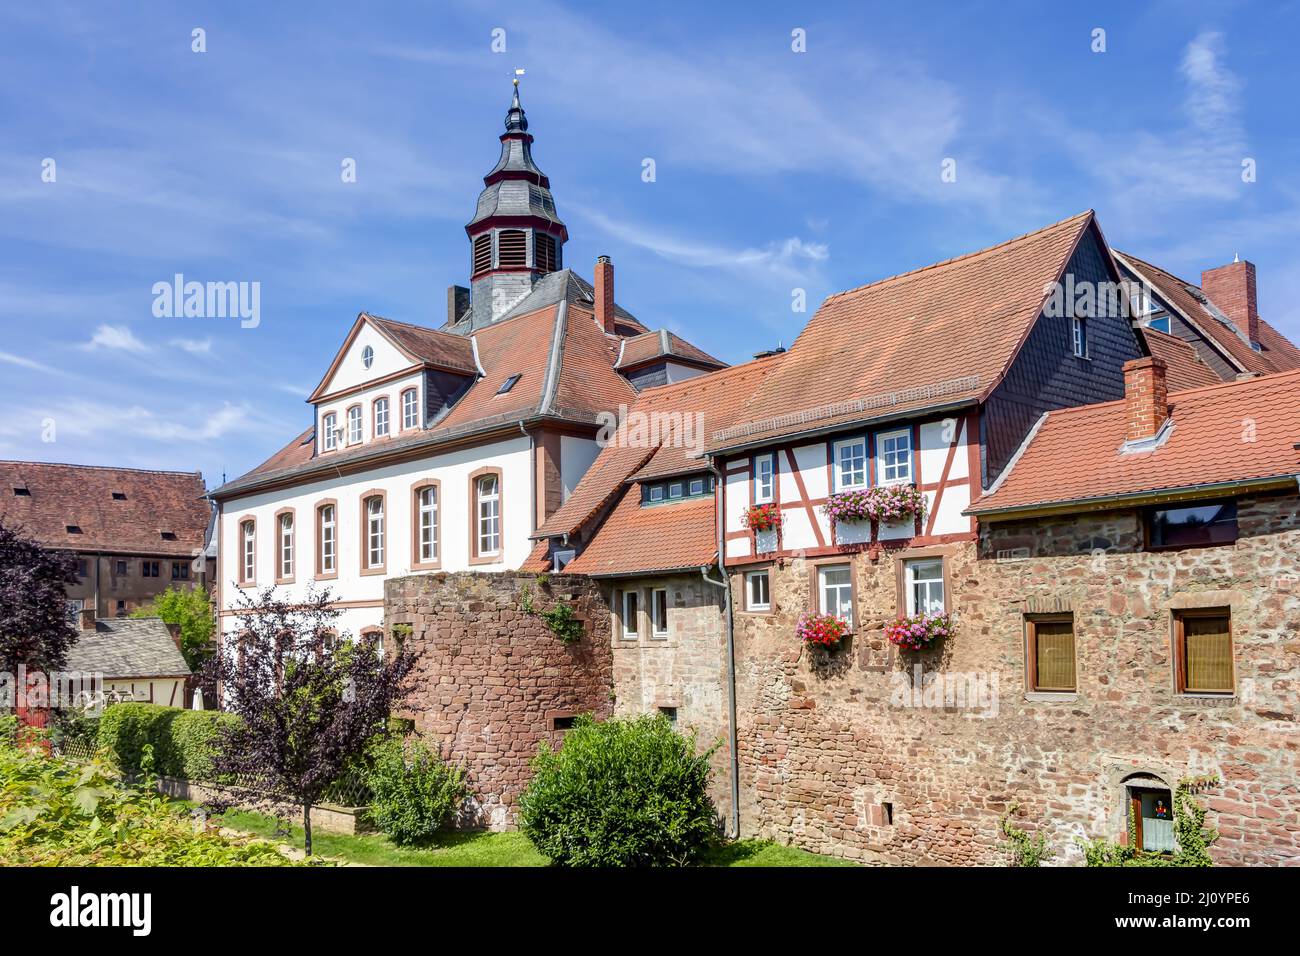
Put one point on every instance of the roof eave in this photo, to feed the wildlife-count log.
(1126, 499)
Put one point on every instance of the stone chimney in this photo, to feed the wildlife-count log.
(605, 293)
(457, 302)
(175, 631)
(1232, 289)
(1146, 396)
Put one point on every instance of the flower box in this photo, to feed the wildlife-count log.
(762, 517)
(822, 630)
(883, 503)
(919, 631)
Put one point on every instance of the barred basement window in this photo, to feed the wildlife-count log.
(512, 248)
(544, 252)
(482, 253)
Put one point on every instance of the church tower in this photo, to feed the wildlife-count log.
(515, 236)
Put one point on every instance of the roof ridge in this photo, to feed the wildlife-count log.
(411, 325)
(68, 464)
(1253, 380)
(963, 257)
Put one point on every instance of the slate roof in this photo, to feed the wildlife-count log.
(1075, 456)
(937, 336)
(82, 496)
(1276, 353)
(1185, 368)
(122, 648)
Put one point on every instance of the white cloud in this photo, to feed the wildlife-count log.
(1212, 101)
(193, 346)
(117, 337)
(11, 359)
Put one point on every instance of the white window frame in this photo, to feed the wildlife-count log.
(630, 613)
(375, 531)
(411, 408)
(912, 584)
(840, 484)
(329, 537)
(764, 479)
(330, 426)
(488, 515)
(248, 551)
(1079, 336)
(884, 466)
(840, 590)
(381, 416)
(428, 523)
(286, 545)
(658, 628)
(354, 425)
(750, 579)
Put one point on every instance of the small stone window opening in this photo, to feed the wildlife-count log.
(670, 713)
(563, 722)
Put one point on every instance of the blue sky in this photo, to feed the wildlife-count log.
(775, 170)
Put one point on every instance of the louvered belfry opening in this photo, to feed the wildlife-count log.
(544, 252)
(482, 253)
(512, 249)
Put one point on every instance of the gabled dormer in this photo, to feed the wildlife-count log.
(389, 380)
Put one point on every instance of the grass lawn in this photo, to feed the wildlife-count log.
(477, 848)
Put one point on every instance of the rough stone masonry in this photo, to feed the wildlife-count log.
(492, 680)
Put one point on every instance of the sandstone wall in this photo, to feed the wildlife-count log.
(837, 758)
(491, 678)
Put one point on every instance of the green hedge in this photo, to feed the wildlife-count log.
(182, 739)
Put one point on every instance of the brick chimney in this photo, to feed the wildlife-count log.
(605, 293)
(1146, 396)
(86, 619)
(1232, 289)
(174, 630)
(458, 302)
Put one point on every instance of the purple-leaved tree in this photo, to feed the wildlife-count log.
(34, 627)
(310, 699)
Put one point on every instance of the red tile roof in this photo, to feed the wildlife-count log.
(1185, 368)
(659, 345)
(636, 539)
(1234, 432)
(81, 496)
(1276, 353)
(428, 346)
(935, 336)
(717, 396)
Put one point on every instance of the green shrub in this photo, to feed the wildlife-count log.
(1025, 850)
(413, 793)
(8, 729)
(620, 793)
(54, 812)
(1191, 836)
(182, 740)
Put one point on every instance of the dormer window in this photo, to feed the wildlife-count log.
(354, 425)
(381, 417)
(1079, 336)
(22, 493)
(367, 356)
(508, 384)
(330, 430)
(168, 535)
(119, 496)
(72, 529)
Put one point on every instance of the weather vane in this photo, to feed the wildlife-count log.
(518, 73)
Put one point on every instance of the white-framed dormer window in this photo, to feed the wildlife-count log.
(758, 595)
(659, 613)
(894, 457)
(354, 425)
(630, 609)
(489, 515)
(850, 464)
(411, 408)
(835, 591)
(286, 545)
(1079, 336)
(330, 432)
(764, 479)
(924, 581)
(381, 417)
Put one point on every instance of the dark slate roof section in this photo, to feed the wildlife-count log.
(123, 648)
(549, 290)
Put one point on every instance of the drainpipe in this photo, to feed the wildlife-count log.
(732, 736)
(532, 472)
